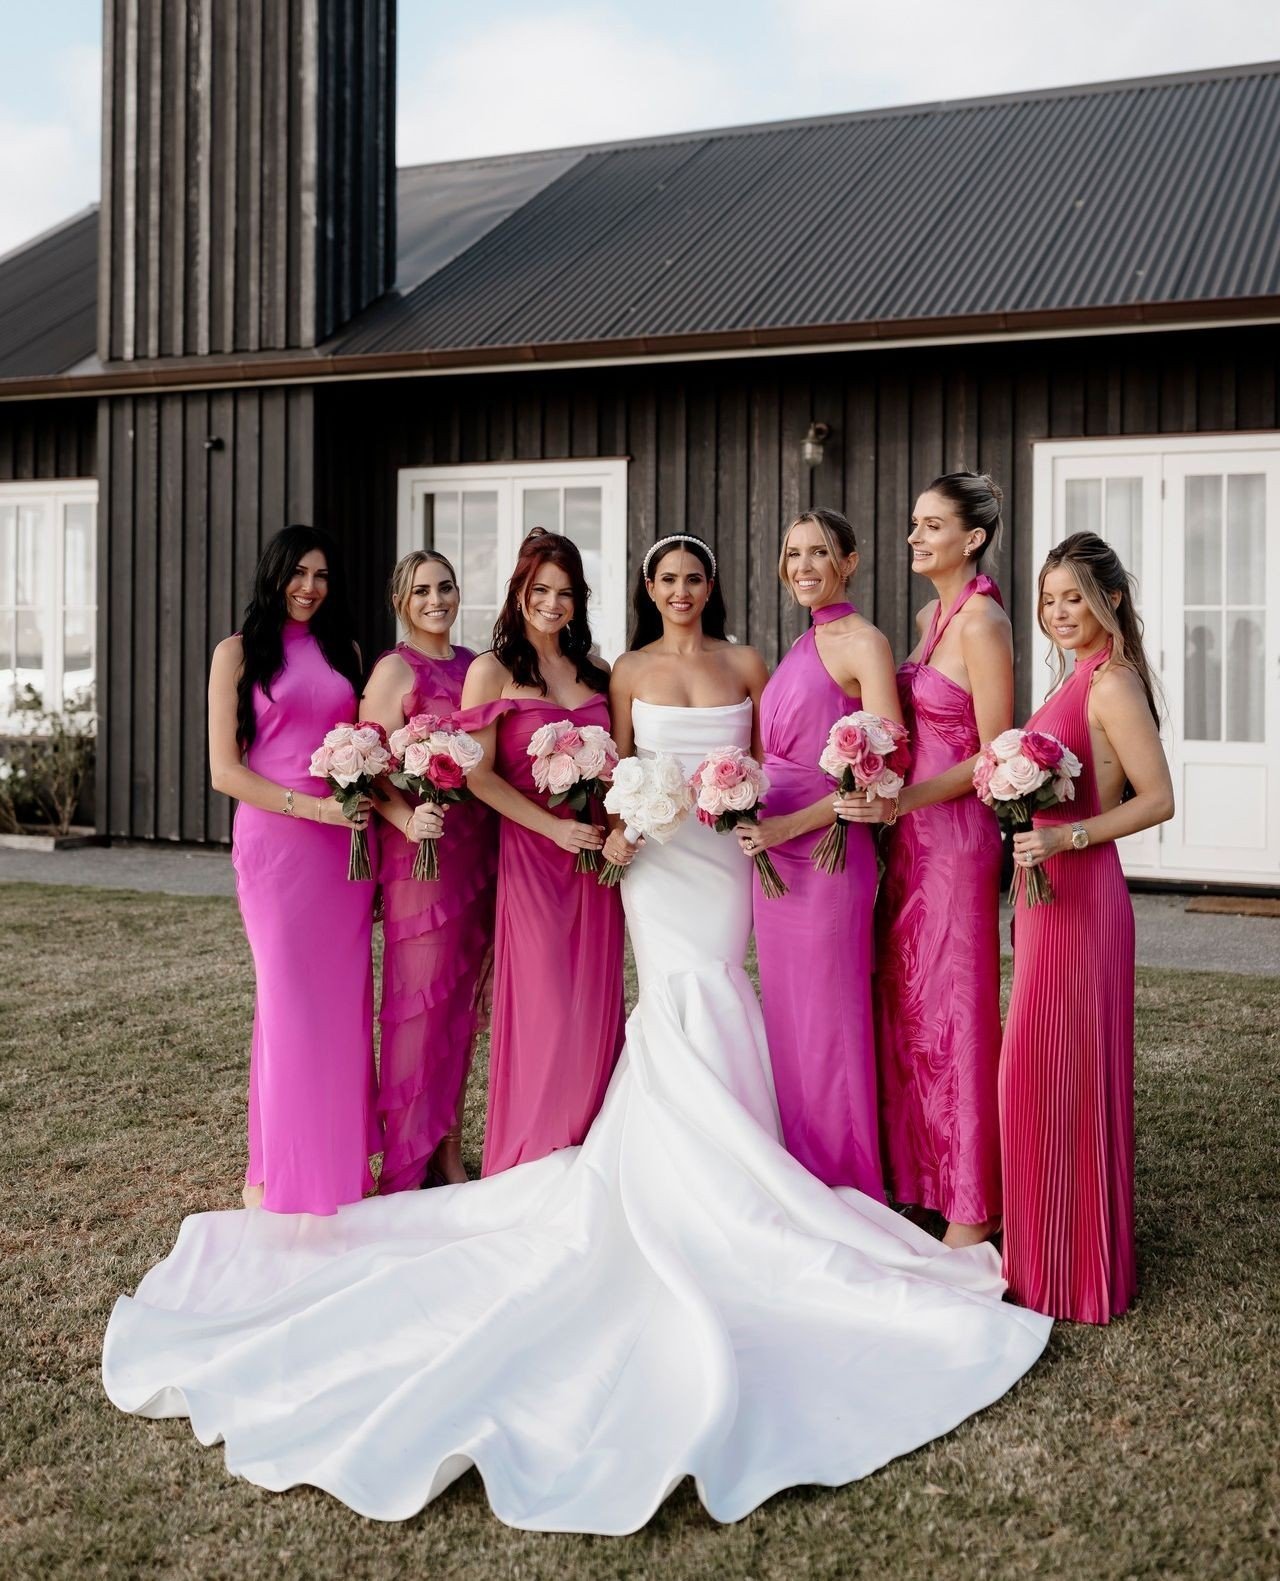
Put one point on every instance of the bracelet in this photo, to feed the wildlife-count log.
(318, 817)
(288, 802)
(889, 822)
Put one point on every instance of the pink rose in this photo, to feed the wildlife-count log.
(338, 736)
(569, 740)
(982, 772)
(321, 762)
(346, 764)
(849, 742)
(726, 772)
(465, 750)
(562, 773)
(417, 759)
(423, 724)
(1041, 749)
(999, 786)
(444, 773)
(740, 797)
(1006, 744)
(1064, 788)
(871, 768)
(1025, 776)
(591, 760)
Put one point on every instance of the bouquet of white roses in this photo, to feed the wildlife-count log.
(652, 797)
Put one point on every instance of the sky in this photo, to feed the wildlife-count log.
(514, 74)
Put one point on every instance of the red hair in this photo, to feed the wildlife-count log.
(511, 645)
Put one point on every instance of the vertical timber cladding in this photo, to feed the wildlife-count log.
(47, 439)
(248, 173)
(714, 448)
(191, 486)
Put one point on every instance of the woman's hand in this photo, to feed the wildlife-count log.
(331, 812)
(619, 850)
(762, 836)
(426, 822)
(572, 836)
(1035, 846)
(860, 807)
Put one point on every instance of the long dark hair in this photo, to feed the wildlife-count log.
(647, 621)
(511, 645)
(262, 630)
(1098, 573)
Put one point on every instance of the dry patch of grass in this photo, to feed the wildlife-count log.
(1147, 1449)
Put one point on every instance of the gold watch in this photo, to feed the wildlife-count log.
(1079, 837)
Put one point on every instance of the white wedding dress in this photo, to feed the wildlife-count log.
(677, 1297)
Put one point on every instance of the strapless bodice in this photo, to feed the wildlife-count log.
(688, 734)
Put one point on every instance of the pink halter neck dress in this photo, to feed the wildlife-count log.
(1066, 1067)
(312, 1127)
(437, 951)
(814, 944)
(938, 978)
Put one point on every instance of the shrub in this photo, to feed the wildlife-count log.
(49, 764)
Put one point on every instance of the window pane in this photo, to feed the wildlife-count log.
(476, 628)
(77, 579)
(1246, 676)
(29, 644)
(1202, 676)
(441, 525)
(542, 509)
(8, 675)
(1246, 543)
(77, 658)
(8, 532)
(582, 522)
(1084, 505)
(1204, 541)
(1124, 522)
(479, 569)
(32, 547)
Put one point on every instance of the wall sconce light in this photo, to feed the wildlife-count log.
(214, 442)
(812, 444)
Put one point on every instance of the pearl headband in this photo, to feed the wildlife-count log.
(678, 537)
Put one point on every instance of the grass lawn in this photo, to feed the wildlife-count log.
(1145, 1449)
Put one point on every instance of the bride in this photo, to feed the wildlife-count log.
(677, 1297)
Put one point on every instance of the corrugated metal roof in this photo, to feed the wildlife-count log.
(1162, 190)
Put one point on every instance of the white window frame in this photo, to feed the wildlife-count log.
(58, 493)
(609, 602)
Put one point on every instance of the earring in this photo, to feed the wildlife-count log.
(967, 552)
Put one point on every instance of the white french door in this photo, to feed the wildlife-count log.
(1198, 523)
(478, 515)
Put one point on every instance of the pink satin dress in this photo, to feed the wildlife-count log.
(938, 979)
(1066, 1069)
(556, 1030)
(312, 1126)
(814, 944)
(437, 953)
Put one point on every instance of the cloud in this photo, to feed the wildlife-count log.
(573, 76)
(49, 166)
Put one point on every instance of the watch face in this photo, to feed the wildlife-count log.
(1079, 838)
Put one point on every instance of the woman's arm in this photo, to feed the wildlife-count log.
(227, 770)
(485, 681)
(383, 702)
(1118, 706)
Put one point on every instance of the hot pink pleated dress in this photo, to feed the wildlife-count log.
(938, 977)
(437, 948)
(556, 1029)
(814, 944)
(1066, 1067)
(312, 1126)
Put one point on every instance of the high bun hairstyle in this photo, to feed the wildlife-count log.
(978, 500)
(646, 621)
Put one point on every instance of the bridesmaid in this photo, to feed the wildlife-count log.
(437, 937)
(557, 966)
(938, 974)
(289, 675)
(814, 945)
(1066, 1070)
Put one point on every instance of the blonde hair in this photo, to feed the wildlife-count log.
(836, 532)
(1099, 574)
(406, 571)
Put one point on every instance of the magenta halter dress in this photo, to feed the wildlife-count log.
(1066, 1067)
(438, 945)
(557, 1020)
(938, 981)
(312, 1126)
(814, 944)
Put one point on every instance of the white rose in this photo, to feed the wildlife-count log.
(542, 741)
(365, 738)
(562, 773)
(1007, 744)
(1023, 775)
(338, 736)
(591, 759)
(740, 797)
(398, 741)
(465, 750)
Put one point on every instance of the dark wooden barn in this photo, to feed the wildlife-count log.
(1075, 289)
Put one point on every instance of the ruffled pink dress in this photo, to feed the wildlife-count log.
(814, 944)
(557, 1023)
(938, 982)
(437, 950)
(312, 1126)
(1066, 1067)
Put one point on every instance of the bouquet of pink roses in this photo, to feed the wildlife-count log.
(1023, 772)
(652, 797)
(729, 786)
(432, 759)
(863, 752)
(572, 764)
(351, 759)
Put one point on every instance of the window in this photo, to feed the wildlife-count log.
(48, 611)
(478, 515)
